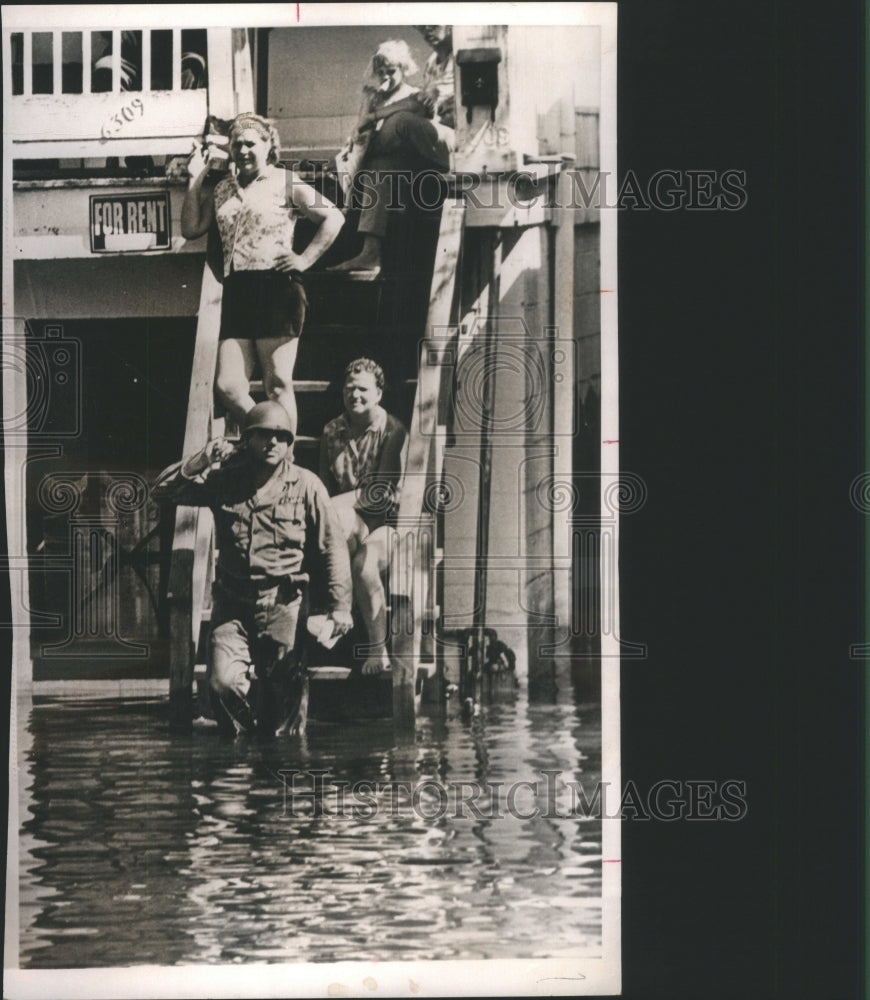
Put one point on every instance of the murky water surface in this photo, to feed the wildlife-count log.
(139, 846)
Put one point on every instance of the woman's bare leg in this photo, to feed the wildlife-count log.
(277, 360)
(235, 365)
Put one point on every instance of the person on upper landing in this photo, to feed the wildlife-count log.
(402, 138)
(264, 303)
(439, 79)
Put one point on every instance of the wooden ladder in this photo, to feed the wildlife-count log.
(383, 319)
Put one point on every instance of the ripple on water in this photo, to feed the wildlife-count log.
(140, 847)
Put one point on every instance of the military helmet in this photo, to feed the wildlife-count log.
(268, 416)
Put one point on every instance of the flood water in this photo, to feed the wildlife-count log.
(141, 846)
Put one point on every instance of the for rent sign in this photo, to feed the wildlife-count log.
(130, 222)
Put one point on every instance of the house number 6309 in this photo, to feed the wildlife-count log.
(128, 113)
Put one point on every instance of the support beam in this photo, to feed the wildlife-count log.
(27, 61)
(193, 526)
(146, 59)
(56, 62)
(243, 77)
(87, 61)
(221, 96)
(409, 577)
(563, 389)
(176, 58)
(116, 61)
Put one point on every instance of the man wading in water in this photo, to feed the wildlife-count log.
(276, 530)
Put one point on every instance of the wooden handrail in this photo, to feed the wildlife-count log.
(194, 526)
(411, 555)
(192, 564)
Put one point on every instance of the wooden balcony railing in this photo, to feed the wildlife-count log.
(113, 92)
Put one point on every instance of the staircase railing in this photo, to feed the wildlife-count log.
(412, 585)
(191, 563)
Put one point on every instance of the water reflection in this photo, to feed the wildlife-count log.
(138, 846)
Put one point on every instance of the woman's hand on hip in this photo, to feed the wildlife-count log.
(290, 262)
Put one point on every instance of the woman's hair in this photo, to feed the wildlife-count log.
(366, 365)
(394, 52)
(248, 120)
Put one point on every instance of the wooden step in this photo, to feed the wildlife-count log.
(303, 386)
(335, 673)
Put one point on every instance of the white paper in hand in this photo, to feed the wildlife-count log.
(322, 628)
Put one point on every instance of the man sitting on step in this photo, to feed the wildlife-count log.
(275, 530)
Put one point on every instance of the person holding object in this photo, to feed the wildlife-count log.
(275, 531)
(399, 140)
(264, 303)
(361, 460)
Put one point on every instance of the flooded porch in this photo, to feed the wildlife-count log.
(139, 846)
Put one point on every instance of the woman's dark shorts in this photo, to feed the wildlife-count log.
(262, 304)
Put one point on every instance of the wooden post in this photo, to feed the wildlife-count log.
(487, 403)
(56, 62)
(87, 68)
(193, 526)
(243, 77)
(563, 387)
(146, 59)
(27, 63)
(408, 576)
(221, 95)
(176, 58)
(181, 647)
(116, 61)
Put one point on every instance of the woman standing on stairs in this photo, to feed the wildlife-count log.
(361, 460)
(263, 306)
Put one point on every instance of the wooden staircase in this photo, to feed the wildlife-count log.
(389, 320)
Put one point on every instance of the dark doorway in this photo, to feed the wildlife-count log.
(107, 403)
